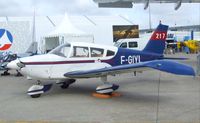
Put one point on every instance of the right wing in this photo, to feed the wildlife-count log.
(162, 65)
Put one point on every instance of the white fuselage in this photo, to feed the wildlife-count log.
(55, 71)
(66, 58)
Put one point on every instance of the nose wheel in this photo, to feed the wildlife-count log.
(38, 89)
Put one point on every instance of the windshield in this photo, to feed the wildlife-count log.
(117, 44)
(62, 50)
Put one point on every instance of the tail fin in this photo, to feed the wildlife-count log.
(32, 48)
(156, 43)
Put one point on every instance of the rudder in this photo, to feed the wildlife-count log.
(156, 43)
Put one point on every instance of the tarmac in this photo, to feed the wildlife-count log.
(178, 100)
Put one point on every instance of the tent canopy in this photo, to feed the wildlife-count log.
(66, 28)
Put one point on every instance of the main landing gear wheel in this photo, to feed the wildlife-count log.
(65, 84)
(35, 91)
(35, 96)
(106, 90)
(18, 74)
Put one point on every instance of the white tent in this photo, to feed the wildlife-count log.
(65, 32)
(66, 28)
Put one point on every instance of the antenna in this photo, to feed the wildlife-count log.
(7, 19)
(126, 19)
(33, 27)
(51, 21)
(150, 17)
(90, 20)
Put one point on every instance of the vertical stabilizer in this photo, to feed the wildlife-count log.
(157, 41)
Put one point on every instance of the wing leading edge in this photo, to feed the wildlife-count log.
(162, 65)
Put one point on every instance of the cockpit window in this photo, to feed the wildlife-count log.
(80, 52)
(123, 45)
(96, 52)
(117, 44)
(110, 53)
(62, 50)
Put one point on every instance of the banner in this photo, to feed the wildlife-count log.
(125, 31)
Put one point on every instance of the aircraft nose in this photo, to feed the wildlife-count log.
(14, 65)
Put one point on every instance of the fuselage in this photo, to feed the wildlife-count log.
(79, 56)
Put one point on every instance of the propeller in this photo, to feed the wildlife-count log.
(20, 64)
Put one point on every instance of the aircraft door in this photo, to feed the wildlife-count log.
(49, 71)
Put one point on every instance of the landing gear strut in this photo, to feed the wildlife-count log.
(65, 84)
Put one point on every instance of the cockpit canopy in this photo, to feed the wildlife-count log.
(62, 50)
(78, 51)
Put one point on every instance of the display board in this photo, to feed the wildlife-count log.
(125, 31)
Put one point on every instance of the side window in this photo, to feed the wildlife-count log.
(96, 52)
(133, 44)
(65, 51)
(123, 45)
(110, 53)
(80, 52)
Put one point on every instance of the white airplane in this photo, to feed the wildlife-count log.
(129, 3)
(77, 60)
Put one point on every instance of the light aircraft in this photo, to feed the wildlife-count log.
(129, 3)
(8, 57)
(78, 60)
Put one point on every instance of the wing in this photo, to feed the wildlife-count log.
(129, 3)
(162, 65)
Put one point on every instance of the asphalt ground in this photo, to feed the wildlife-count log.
(178, 102)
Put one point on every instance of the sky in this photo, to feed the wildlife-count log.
(188, 14)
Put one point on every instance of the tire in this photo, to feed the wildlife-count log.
(35, 96)
(72, 80)
(64, 86)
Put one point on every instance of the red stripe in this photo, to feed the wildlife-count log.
(5, 47)
(61, 62)
(57, 62)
